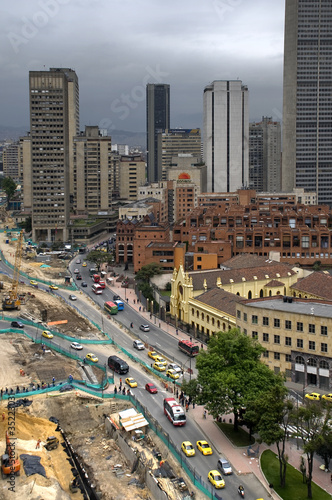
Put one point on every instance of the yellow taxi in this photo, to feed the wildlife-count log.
(313, 396)
(204, 447)
(33, 282)
(47, 334)
(216, 479)
(327, 397)
(160, 359)
(92, 357)
(172, 374)
(153, 355)
(131, 382)
(54, 287)
(159, 367)
(84, 264)
(188, 449)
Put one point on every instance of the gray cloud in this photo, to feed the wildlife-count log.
(116, 46)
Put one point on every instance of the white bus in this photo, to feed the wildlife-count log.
(97, 289)
(174, 412)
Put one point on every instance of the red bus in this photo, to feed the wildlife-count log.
(102, 284)
(188, 347)
(174, 412)
(97, 289)
(96, 278)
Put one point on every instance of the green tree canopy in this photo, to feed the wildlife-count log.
(230, 373)
(146, 272)
(9, 186)
(313, 427)
(98, 258)
(272, 414)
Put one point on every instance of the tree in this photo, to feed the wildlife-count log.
(146, 290)
(313, 426)
(231, 373)
(9, 186)
(191, 389)
(324, 450)
(98, 258)
(148, 271)
(272, 412)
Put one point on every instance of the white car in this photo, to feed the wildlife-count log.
(76, 346)
(138, 344)
(76, 271)
(145, 328)
(72, 297)
(175, 367)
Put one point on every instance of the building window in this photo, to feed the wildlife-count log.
(238, 314)
(312, 345)
(265, 354)
(323, 330)
(311, 328)
(265, 337)
(288, 358)
(244, 316)
(245, 331)
(299, 326)
(212, 321)
(193, 312)
(277, 355)
(202, 316)
(323, 347)
(207, 318)
(276, 323)
(265, 321)
(288, 341)
(277, 339)
(288, 324)
(254, 319)
(218, 324)
(254, 335)
(299, 343)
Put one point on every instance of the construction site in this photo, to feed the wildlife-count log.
(69, 444)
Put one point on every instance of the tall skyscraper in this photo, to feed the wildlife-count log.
(307, 106)
(225, 135)
(157, 119)
(54, 121)
(265, 155)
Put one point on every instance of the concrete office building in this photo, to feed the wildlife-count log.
(54, 121)
(307, 105)
(10, 156)
(157, 119)
(93, 173)
(175, 142)
(132, 176)
(265, 155)
(226, 135)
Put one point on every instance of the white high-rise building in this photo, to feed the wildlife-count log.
(307, 106)
(225, 135)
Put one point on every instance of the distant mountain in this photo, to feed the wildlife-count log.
(118, 136)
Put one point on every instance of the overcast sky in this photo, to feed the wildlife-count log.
(117, 46)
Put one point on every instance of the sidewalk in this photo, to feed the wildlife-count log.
(237, 456)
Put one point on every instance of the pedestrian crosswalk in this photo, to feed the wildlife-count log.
(293, 431)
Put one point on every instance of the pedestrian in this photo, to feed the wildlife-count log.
(140, 309)
(134, 301)
(120, 382)
(193, 405)
(204, 414)
(191, 339)
(177, 393)
(128, 392)
(1, 393)
(124, 391)
(127, 300)
(150, 315)
(3, 417)
(53, 381)
(201, 346)
(38, 444)
(33, 387)
(177, 332)
(187, 406)
(70, 378)
(17, 389)
(115, 390)
(6, 390)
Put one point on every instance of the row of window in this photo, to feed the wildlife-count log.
(287, 325)
(288, 341)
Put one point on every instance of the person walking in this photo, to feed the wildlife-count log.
(53, 381)
(187, 406)
(115, 390)
(3, 417)
(38, 444)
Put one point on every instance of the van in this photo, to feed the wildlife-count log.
(118, 365)
(224, 466)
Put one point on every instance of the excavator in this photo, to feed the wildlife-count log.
(12, 301)
(9, 464)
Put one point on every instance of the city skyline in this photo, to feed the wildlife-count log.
(116, 48)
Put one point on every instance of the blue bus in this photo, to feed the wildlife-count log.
(120, 304)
